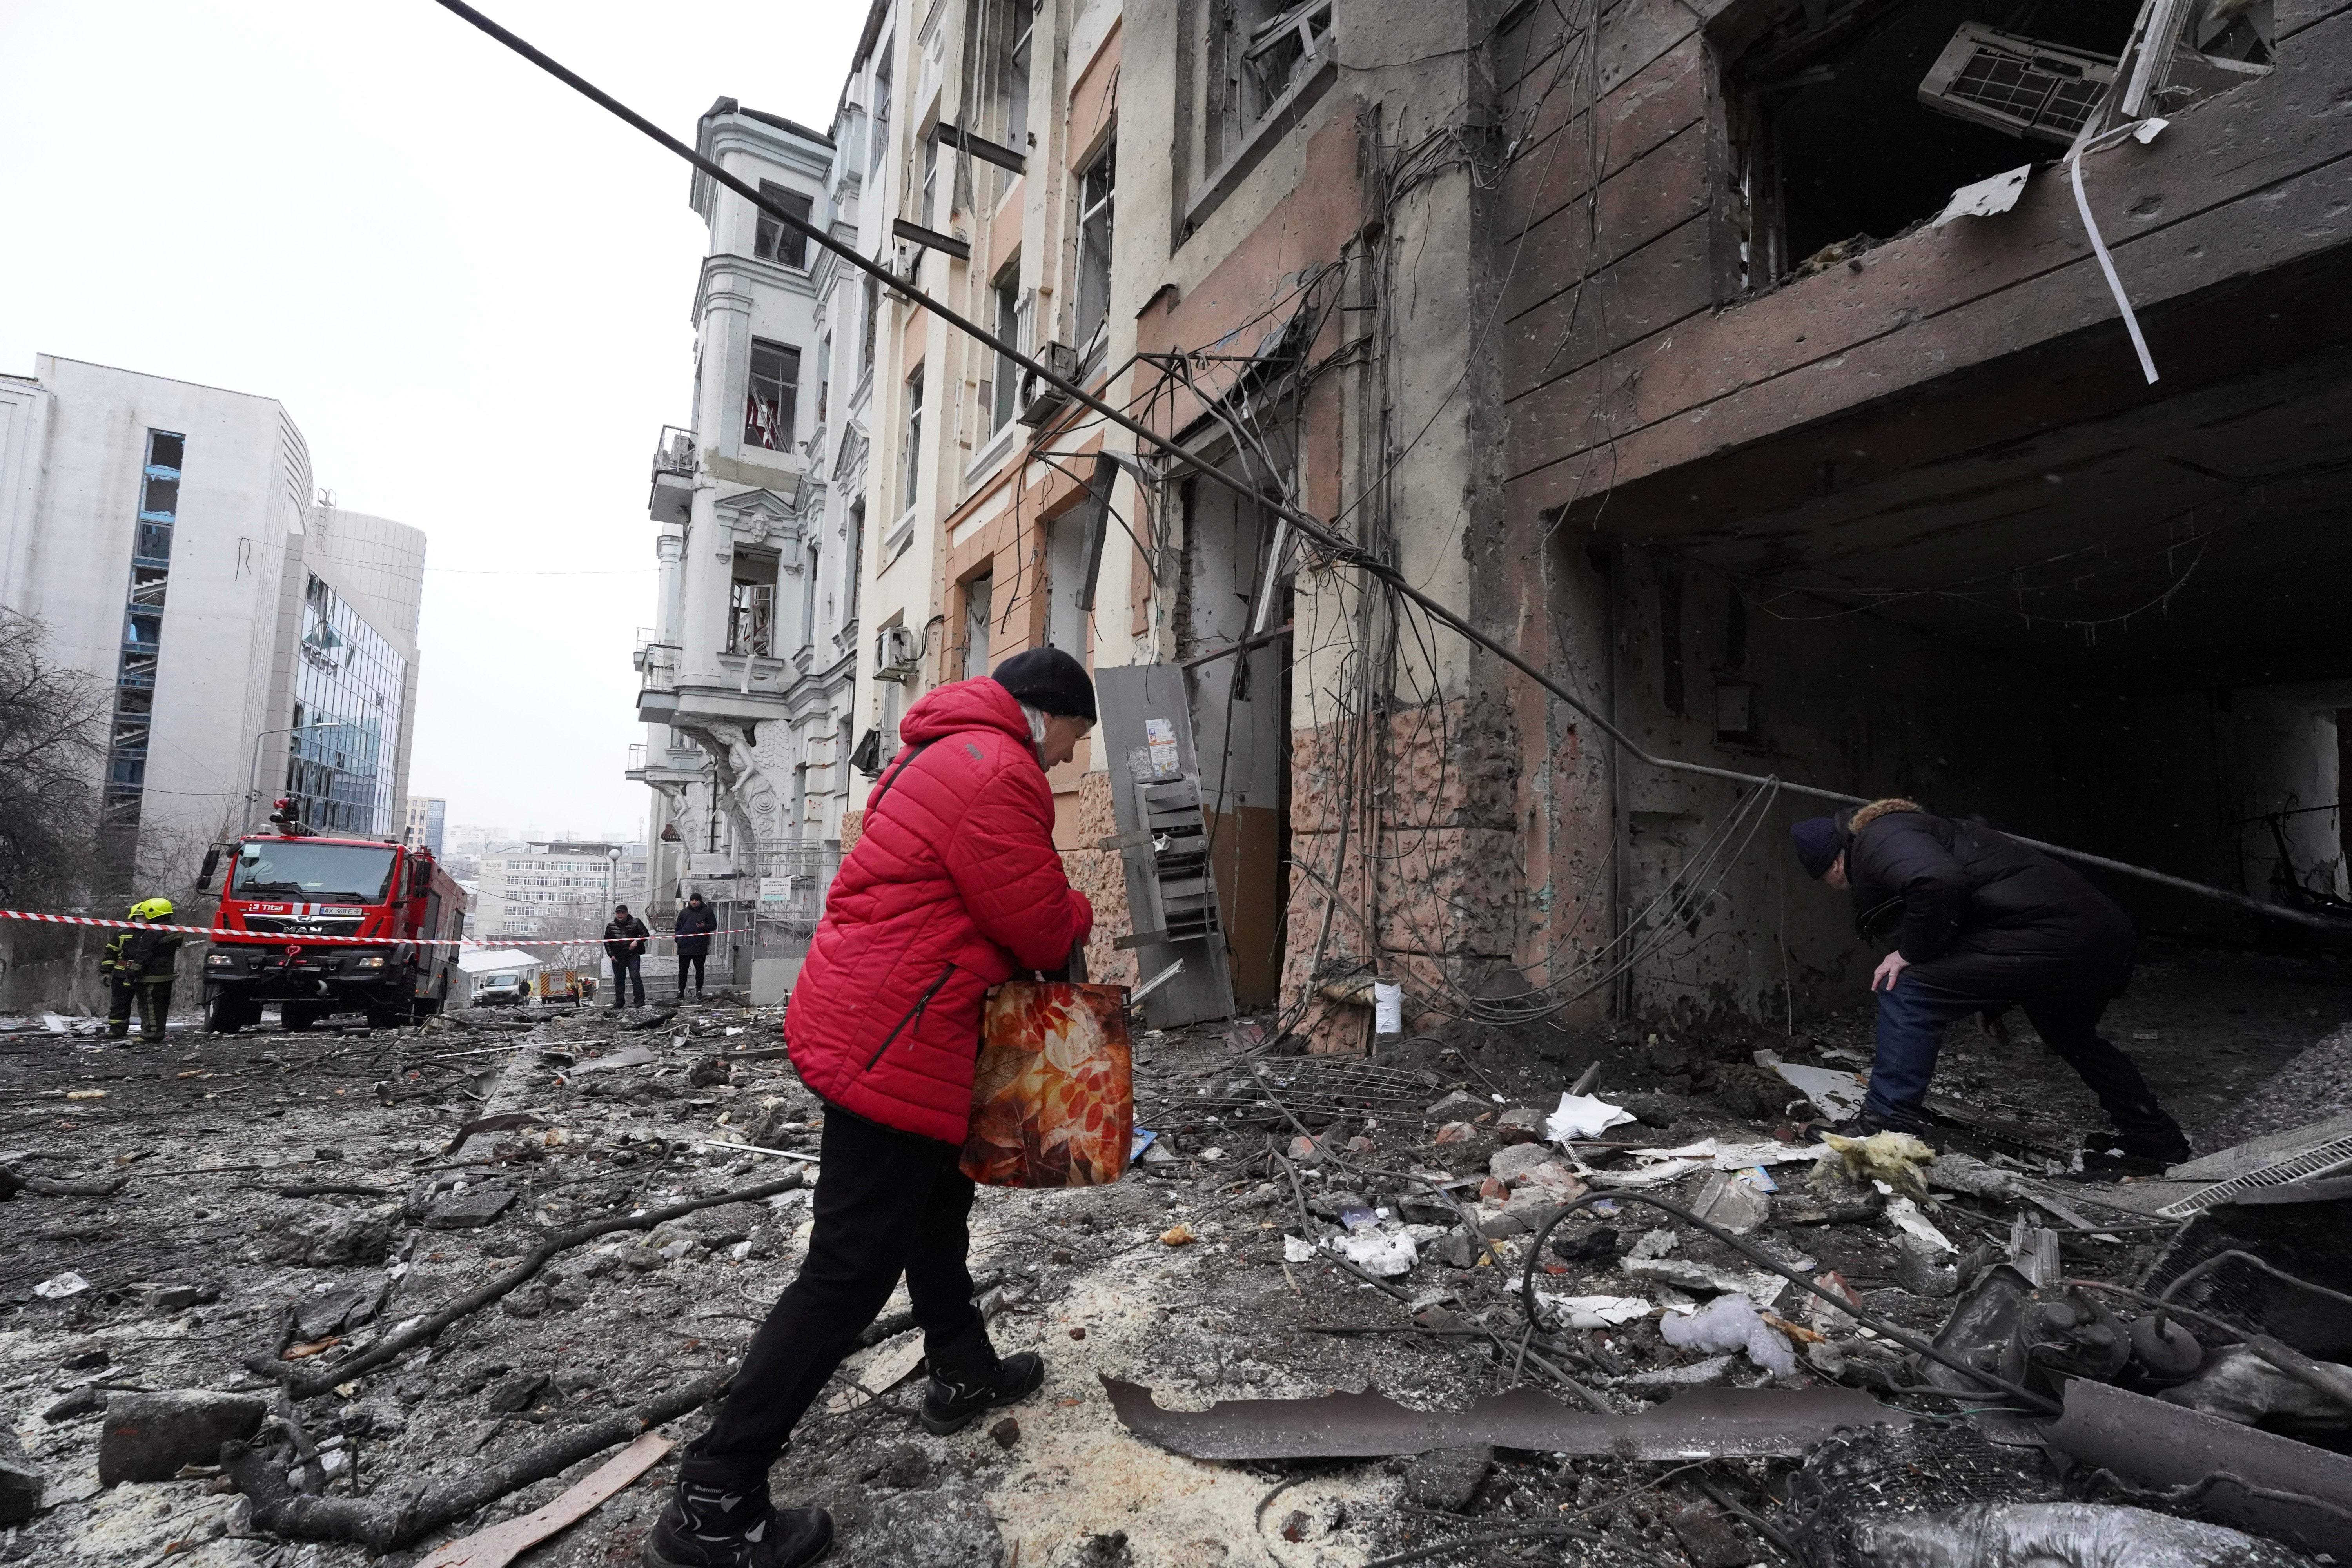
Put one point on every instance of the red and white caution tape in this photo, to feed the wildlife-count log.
(306, 939)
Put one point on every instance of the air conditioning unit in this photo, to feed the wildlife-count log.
(2022, 86)
(1040, 402)
(895, 654)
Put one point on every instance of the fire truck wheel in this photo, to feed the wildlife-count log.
(227, 1015)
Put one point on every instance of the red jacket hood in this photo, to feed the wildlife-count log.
(980, 704)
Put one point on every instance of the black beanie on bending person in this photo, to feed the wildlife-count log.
(1049, 680)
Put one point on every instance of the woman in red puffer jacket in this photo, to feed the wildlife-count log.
(954, 886)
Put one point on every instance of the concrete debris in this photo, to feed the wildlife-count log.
(22, 1481)
(1448, 1479)
(473, 1332)
(468, 1209)
(1733, 1203)
(149, 1437)
(949, 1526)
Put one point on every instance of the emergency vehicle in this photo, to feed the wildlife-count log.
(290, 887)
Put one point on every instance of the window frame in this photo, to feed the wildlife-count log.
(911, 475)
(1096, 239)
(768, 236)
(785, 418)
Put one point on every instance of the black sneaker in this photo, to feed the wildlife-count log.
(713, 1527)
(1852, 1127)
(2159, 1151)
(952, 1405)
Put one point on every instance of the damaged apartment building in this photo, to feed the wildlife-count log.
(1886, 397)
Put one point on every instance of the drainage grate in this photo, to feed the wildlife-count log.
(2328, 1158)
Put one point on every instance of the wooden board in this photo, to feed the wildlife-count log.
(502, 1543)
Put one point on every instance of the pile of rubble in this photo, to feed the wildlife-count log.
(447, 1296)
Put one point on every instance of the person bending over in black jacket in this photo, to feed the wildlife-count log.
(1980, 923)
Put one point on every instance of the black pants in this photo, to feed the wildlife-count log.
(696, 959)
(887, 1204)
(624, 971)
(1914, 1013)
(155, 1005)
(121, 997)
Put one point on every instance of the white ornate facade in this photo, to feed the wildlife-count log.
(749, 672)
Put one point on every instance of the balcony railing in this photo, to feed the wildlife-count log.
(657, 665)
(673, 478)
(637, 758)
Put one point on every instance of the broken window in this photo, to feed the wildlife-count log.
(930, 183)
(977, 595)
(914, 441)
(1097, 187)
(751, 608)
(808, 596)
(1013, 82)
(881, 131)
(768, 405)
(1852, 123)
(777, 240)
(1258, 50)
(142, 637)
(854, 554)
(872, 313)
(1004, 303)
(1065, 565)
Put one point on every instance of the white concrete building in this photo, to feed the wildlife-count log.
(749, 672)
(257, 640)
(558, 889)
(428, 817)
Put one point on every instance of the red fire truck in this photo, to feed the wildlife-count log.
(289, 888)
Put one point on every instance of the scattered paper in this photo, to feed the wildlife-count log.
(1296, 1250)
(1744, 1156)
(1598, 1311)
(66, 1284)
(1986, 197)
(1656, 1175)
(1583, 1116)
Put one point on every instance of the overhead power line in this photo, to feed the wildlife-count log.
(1338, 551)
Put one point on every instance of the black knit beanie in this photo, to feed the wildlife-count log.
(1049, 680)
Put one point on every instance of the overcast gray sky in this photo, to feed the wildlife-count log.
(467, 285)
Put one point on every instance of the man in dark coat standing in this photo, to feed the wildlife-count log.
(954, 885)
(693, 929)
(1981, 923)
(624, 943)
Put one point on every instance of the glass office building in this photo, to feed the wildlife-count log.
(348, 688)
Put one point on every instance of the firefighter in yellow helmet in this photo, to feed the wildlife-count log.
(141, 965)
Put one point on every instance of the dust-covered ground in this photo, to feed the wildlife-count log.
(292, 1198)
